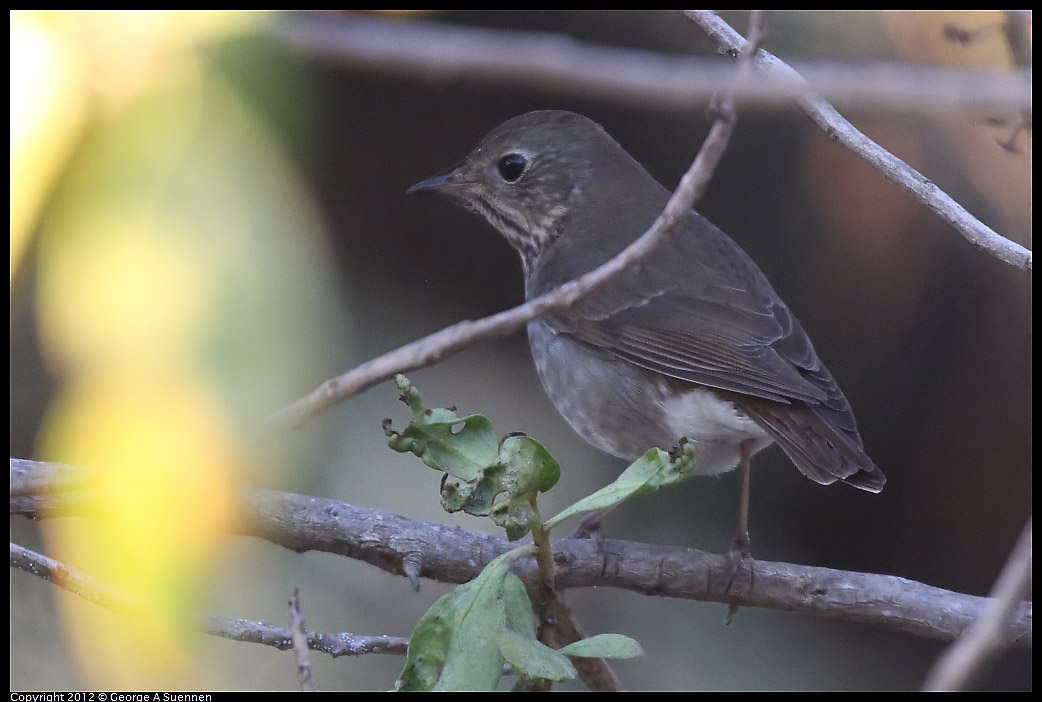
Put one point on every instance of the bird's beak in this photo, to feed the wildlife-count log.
(446, 184)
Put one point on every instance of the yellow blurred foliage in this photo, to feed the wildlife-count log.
(48, 112)
(160, 459)
(69, 67)
(162, 304)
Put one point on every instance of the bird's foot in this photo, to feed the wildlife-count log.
(738, 554)
(590, 528)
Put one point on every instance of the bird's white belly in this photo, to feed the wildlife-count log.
(715, 426)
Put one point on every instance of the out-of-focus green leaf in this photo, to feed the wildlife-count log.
(604, 646)
(464, 638)
(532, 659)
(453, 646)
(653, 470)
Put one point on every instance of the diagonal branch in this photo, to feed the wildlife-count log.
(894, 169)
(964, 661)
(432, 348)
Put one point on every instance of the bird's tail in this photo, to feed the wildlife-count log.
(822, 451)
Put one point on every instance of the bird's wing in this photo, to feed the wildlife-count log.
(716, 322)
(698, 309)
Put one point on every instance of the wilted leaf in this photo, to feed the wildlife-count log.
(500, 482)
(459, 446)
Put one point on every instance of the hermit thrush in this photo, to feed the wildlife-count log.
(691, 342)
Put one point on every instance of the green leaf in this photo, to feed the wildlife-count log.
(604, 646)
(517, 608)
(653, 470)
(528, 470)
(460, 446)
(532, 659)
(454, 644)
(490, 480)
(535, 470)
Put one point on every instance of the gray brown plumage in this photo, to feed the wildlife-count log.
(693, 341)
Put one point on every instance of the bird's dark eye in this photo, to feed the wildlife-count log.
(511, 167)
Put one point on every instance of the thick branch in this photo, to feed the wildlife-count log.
(556, 64)
(454, 555)
(893, 168)
(451, 554)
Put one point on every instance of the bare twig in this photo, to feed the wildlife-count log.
(300, 644)
(90, 588)
(335, 644)
(432, 348)
(1018, 36)
(556, 64)
(71, 579)
(966, 659)
(28, 479)
(893, 168)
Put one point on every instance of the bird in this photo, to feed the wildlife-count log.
(692, 341)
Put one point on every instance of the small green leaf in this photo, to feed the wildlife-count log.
(604, 646)
(532, 659)
(453, 646)
(653, 470)
(517, 608)
(535, 469)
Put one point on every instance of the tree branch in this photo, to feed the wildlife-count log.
(454, 555)
(967, 658)
(555, 64)
(894, 169)
(334, 644)
(90, 588)
(299, 636)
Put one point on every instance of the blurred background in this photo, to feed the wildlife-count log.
(208, 220)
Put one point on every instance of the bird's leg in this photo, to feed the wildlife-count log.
(590, 527)
(740, 544)
(739, 550)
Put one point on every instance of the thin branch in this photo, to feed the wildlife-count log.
(454, 555)
(26, 478)
(335, 644)
(555, 64)
(298, 633)
(71, 579)
(1017, 28)
(966, 659)
(432, 348)
(893, 168)
(90, 588)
